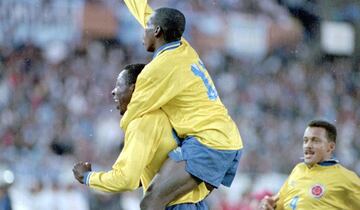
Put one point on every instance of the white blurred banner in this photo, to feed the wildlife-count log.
(40, 21)
(247, 36)
(337, 38)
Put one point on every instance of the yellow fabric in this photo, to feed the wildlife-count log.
(168, 82)
(148, 140)
(340, 189)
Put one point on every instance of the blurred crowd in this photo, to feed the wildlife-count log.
(56, 108)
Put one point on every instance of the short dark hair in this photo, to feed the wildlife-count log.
(133, 72)
(330, 128)
(171, 21)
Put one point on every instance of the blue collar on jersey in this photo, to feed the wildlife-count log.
(329, 162)
(167, 46)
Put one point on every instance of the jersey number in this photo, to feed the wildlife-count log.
(293, 202)
(211, 91)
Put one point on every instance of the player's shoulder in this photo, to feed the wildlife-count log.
(300, 166)
(149, 122)
(156, 68)
(348, 174)
(184, 54)
(298, 169)
(165, 67)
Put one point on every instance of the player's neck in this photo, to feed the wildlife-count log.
(325, 159)
(159, 43)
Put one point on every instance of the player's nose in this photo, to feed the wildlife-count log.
(308, 144)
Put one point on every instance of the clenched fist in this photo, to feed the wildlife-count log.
(80, 169)
(268, 202)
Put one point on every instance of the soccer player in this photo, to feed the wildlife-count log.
(148, 140)
(320, 182)
(177, 81)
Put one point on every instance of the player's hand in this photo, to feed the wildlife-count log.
(79, 170)
(268, 202)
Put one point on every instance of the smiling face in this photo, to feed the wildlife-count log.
(122, 92)
(316, 145)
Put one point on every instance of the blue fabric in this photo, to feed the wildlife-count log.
(211, 92)
(5, 202)
(189, 206)
(86, 178)
(176, 138)
(329, 162)
(210, 165)
(167, 46)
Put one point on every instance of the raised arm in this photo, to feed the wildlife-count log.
(140, 10)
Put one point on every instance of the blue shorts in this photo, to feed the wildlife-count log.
(212, 166)
(189, 206)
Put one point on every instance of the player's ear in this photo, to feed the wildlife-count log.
(332, 146)
(157, 31)
(132, 88)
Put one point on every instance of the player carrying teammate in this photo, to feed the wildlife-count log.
(177, 81)
(148, 140)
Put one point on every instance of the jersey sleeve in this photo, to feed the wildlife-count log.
(282, 193)
(140, 10)
(126, 171)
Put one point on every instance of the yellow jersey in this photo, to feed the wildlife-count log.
(148, 140)
(322, 187)
(177, 82)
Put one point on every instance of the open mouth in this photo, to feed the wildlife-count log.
(308, 154)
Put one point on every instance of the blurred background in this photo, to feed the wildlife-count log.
(276, 63)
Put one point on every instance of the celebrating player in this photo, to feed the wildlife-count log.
(148, 140)
(177, 81)
(320, 182)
